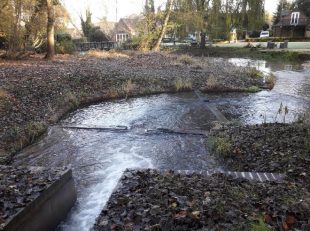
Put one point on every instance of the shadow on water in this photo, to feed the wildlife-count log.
(98, 157)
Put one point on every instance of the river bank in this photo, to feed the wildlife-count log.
(250, 52)
(280, 148)
(152, 200)
(35, 93)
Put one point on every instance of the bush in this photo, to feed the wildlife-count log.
(79, 40)
(65, 47)
(96, 35)
(131, 44)
(276, 39)
(218, 40)
(3, 42)
(60, 37)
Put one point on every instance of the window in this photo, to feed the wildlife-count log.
(122, 37)
(295, 18)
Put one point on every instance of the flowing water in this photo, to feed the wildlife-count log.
(162, 131)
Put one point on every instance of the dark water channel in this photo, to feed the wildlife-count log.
(99, 156)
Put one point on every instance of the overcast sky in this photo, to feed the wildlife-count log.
(107, 8)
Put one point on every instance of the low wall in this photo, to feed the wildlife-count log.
(47, 210)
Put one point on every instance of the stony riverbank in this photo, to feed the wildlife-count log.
(35, 93)
(280, 148)
(152, 200)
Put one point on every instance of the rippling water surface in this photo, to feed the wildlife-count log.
(99, 156)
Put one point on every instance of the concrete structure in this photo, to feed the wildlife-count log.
(48, 209)
(292, 24)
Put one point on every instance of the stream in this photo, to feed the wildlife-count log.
(161, 131)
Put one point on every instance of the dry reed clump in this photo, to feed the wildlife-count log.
(186, 59)
(112, 54)
(128, 88)
(5, 100)
(212, 82)
(183, 84)
(3, 94)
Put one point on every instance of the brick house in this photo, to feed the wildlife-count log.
(292, 24)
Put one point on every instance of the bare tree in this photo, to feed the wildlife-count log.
(164, 26)
(50, 29)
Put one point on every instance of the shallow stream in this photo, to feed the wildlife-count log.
(162, 131)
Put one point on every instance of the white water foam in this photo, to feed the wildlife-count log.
(89, 206)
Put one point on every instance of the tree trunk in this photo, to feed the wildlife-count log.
(164, 28)
(50, 30)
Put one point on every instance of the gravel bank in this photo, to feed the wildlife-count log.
(151, 200)
(35, 93)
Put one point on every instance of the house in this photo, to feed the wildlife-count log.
(126, 28)
(75, 33)
(106, 26)
(292, 24)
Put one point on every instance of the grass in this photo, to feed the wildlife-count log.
(220, 145)
(106, 54)
(26, 136)
(186, 59)
(3, 94)
(212, 83)
(254, 73)
(72, 100)
(35, 129)
(261, 226)
(128, 88)
(270, 80)
(307, 144)
(253, 89)
(183, 84)
(5, 102)
(233, 52)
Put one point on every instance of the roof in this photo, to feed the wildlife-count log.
(286, 18)
(128, 25)
(106, 26)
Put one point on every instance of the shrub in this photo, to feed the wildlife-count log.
(3, 42)
(63, 37)
(97, 35)
(65, 47)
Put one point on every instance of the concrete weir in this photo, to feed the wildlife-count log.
(39, 198)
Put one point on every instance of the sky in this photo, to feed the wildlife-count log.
(107, 8)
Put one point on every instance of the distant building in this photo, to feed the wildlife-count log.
(75, 33)
(106, 26)
(126, 28)
(292, 24)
